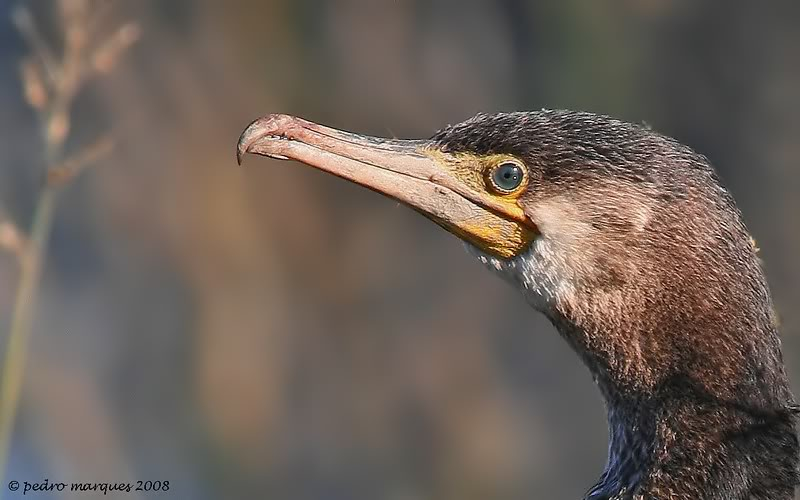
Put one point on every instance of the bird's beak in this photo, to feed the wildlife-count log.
(409, 171)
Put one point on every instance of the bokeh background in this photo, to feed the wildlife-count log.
(271, 332)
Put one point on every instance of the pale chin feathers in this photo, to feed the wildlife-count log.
(535, 272)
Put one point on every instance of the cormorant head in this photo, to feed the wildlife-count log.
(623, 237)
(626, 240)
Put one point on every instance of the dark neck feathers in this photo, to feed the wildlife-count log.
(680, 334)
(676, 323)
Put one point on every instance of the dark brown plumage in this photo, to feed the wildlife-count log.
(627, 241)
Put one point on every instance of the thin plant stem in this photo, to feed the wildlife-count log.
(65, 76)
(22, 318)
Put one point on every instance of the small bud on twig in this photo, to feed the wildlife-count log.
(33, 84)
(109, 52)
(74, 165)
(57, 127)
(11, 239)
(23, 21)
(76, 38)
(73, 12)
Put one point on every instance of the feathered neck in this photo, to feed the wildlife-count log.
(688, 445)
(689, 416)
(679, 440)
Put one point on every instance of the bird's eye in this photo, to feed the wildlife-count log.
(506, 177)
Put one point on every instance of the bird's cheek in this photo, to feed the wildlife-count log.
(495, 236)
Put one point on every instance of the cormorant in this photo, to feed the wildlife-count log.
(626, 240)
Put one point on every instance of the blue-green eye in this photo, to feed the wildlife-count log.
(506, 177)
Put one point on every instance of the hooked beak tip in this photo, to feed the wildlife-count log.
(239, 154)
(275, 126)
(248, 137)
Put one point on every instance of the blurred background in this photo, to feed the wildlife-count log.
(271, 332)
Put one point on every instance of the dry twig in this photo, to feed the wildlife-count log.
(50, 84)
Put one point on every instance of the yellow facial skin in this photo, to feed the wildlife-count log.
(502, 229)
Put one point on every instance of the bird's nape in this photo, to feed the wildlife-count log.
(626, 240)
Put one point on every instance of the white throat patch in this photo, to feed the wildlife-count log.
(536, 272)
